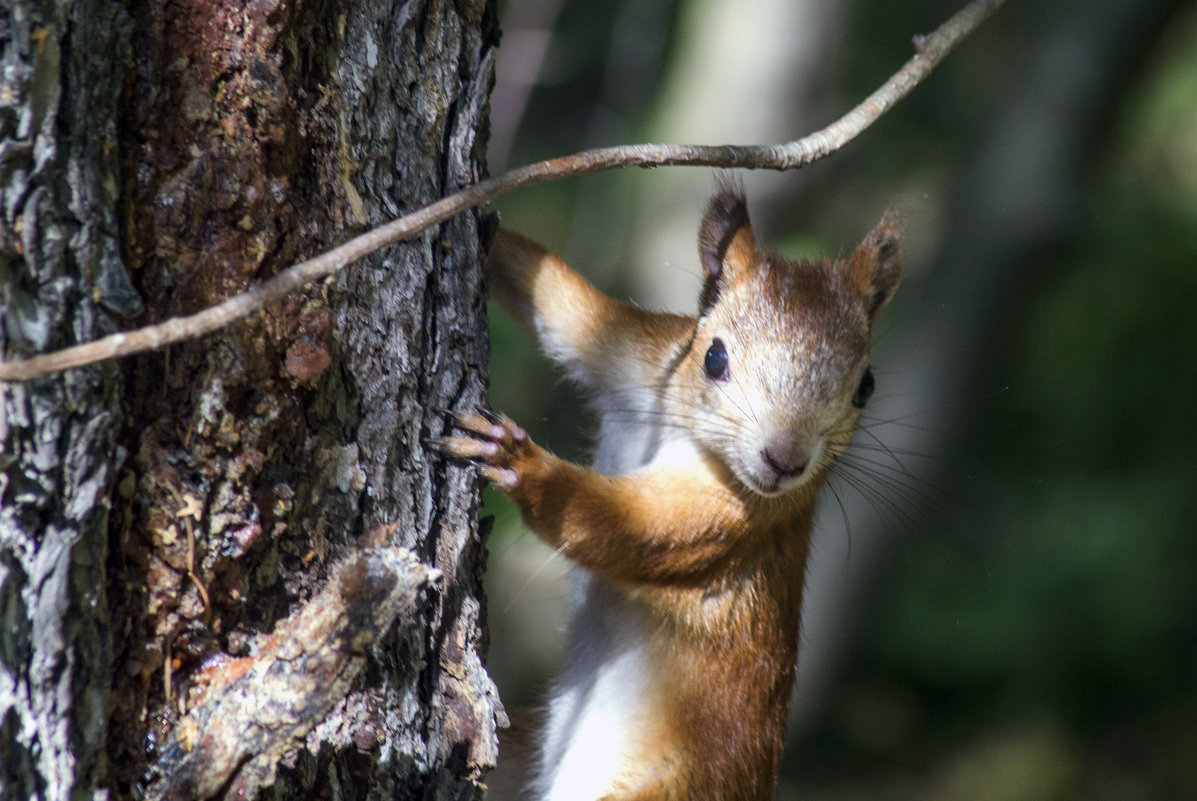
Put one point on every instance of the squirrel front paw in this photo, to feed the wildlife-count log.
(498, 447)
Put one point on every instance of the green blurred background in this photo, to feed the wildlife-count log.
(1005, 605)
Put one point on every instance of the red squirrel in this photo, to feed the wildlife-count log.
(692, 528)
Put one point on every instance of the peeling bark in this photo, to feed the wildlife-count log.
(250, 712)
(160, 516)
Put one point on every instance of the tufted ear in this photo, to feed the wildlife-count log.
(875, 269)
(726, 245)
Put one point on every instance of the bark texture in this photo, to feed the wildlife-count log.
(170, 154)
(62, 281)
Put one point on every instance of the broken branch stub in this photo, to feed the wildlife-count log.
(257, 708)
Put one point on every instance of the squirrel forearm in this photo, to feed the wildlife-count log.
(663, 526)
(644, 528)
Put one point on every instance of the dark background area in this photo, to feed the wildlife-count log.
(1003, 603)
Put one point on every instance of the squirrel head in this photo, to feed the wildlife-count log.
(778, 371)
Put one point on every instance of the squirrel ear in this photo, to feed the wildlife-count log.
(876, 266)
(726, 245)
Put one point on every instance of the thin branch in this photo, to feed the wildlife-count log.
(931, 49)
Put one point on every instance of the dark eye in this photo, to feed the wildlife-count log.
(715, 362)
(865, 390)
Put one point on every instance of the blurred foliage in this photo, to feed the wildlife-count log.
(1043, 642)
(1037, 638)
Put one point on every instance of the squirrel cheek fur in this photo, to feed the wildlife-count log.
(692, 529)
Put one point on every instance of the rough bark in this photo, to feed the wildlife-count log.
(62, 281)
(198, 147)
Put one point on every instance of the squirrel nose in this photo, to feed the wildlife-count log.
(785, 453)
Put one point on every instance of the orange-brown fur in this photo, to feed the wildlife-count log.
(545, 295)
(712, 550)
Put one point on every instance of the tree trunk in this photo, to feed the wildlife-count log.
(169, 526)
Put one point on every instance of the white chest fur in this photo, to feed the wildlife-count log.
(599, 702)
(595, 710)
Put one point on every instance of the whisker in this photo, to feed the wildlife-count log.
(552, 556)
(694, 425)
(888, 450)
(881, 504)
(702, 420)
(844, 515)
(885, 448)
(901, 421)
(886, 471)
(889, 494)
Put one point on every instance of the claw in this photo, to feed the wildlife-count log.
(502, 477)
(469, 448)
(487, 442)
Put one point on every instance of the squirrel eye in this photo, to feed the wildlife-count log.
(865, 390)
(715, 362)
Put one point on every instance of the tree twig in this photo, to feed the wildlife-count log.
(931, 49)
